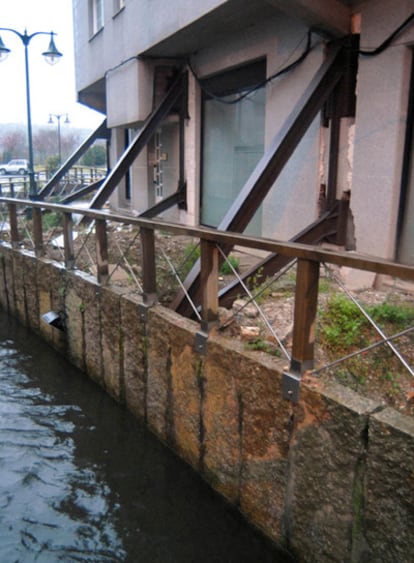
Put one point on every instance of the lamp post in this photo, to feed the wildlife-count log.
(52, 56)
(58, 117)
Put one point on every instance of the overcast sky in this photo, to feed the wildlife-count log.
(52, 87)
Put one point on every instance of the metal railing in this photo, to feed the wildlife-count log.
(75, 178)
(308, 261)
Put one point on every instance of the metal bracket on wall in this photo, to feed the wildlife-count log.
(291, 386)
(143, 311)
(200, 342)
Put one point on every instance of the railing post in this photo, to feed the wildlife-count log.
(14, 229)
(68, 241)
(149, 279)
(37, 231)
(101, 251)
(209, 283)
(304, 326)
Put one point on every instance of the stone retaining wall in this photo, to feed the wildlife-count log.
(330, 479)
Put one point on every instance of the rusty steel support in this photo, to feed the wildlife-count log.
(37, 232)
(304, 324)
(69, 251)
(313, 234)
(304, 327)
(14, 229)
(150, 126)
(177, 198)
(101, 240)
(82, 192)
(271, 164)
(334, 139)
(149, 282)
(343, 219)
(209, 283)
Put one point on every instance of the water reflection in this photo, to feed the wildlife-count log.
(81, 480)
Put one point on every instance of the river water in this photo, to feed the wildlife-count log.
(82, 480)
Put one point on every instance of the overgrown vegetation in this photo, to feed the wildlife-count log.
(376, 373)
(262, 345)
(52, 220)
(343, 326)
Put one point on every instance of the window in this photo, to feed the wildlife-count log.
(97, 15)
(233, 140)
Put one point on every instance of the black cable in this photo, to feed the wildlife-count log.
(389, 39)
(261, 84)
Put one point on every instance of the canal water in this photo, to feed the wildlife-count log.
(82, 480)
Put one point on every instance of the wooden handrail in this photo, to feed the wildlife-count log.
(309, 260)
(286, 248)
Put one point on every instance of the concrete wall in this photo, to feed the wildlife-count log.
(331, 478)
(383, 88)
(127, 33)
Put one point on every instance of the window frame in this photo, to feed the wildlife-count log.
(96, 16)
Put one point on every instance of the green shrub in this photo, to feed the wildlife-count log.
(225, 269)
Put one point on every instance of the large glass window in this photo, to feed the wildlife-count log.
(233, 141)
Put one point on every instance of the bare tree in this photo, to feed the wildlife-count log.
(13, 143)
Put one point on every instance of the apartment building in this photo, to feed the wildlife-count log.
(259, 107)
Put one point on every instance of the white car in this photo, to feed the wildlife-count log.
(16, 166)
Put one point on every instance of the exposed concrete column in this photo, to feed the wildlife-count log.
(383, 85)
(192, 153)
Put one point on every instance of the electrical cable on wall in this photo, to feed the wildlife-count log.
(389, 39)
(298, 61)
(308, 48)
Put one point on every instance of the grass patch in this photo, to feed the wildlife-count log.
(258, 344)
(344, 327)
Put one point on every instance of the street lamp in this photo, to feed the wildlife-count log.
(58, 117)
(52, 56)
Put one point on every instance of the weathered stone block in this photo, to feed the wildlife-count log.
(327, 449)
(388, 523)
(265, 434)
(135, 357)
(87, 309)
(222, 420)
(31, 292)
(19, 261)
(112, 335)
(50, 281)
(4, 258)
(186, 392)
(159, 373)
(74, 318)
(8, 277)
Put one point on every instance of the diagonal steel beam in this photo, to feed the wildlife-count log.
(277, 155)
(100, 132)
(313, 234)
(151, 124)
(82, 192)
(177, 198)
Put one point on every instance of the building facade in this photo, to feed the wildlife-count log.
(250, 63)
